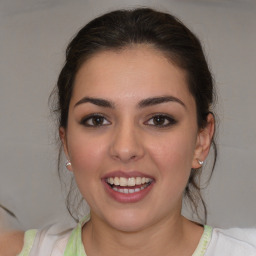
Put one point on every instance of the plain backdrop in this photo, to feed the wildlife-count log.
(33, 37)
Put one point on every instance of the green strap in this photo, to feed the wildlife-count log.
(75, 244)
(29, 238)
(204, 242)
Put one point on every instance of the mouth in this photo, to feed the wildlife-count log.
(128, 188)
(128, 185)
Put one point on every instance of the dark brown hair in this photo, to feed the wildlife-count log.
(122, 28)
(8, 211)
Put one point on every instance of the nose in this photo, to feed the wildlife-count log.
(126, 144)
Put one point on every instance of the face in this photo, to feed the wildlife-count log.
(132, 137)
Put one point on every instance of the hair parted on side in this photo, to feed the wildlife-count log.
(120, 29)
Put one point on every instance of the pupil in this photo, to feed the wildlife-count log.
(159, 120)
(97, 120)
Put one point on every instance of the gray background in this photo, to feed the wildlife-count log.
(33, 37)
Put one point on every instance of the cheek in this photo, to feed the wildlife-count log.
(86, 152)
(173, 154)
(173, 159)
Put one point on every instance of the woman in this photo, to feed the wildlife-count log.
(135, 121)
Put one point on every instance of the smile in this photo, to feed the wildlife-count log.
(128, 185)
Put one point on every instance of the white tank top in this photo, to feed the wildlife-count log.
(58, 241)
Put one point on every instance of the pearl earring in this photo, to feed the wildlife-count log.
(68, 163)
(200, 162)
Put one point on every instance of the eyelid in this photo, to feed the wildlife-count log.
(171, 120)
(90, 116)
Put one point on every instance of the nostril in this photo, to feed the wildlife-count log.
(125, 157)
(125, 146)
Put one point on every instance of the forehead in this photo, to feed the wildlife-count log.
(131, 73)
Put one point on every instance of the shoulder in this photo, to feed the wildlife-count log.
(234, 241)
(50, 240)
(11, 243)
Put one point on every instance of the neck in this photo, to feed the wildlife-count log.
(171, 236)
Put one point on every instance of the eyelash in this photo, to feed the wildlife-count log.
(85, 120)
(166, 118)
(163, 117)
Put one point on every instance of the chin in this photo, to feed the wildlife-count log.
(130, 226)
(128, 221)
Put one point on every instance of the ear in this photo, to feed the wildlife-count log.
(63, 138)
(204, 140)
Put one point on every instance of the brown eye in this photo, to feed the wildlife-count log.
(95, 121)
(161, 121)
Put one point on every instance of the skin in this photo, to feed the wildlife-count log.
(129, 138)
(11, 243)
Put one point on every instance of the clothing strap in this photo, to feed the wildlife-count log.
(29, 238)
(204, 241)
(75, 244)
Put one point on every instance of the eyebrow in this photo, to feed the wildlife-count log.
(144, 103)
(158, 100)
(96, 101)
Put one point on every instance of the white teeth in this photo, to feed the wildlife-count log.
(131, 182)
(147, 180)
(124, 182)
(130, 190)
(116, 181)
(126, 190)
(111, 181)
(138, 180)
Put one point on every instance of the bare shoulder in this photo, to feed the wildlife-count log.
(11, 243)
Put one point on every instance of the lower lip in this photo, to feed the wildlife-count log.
(127, 198)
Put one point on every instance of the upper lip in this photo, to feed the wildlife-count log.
(126, 174)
